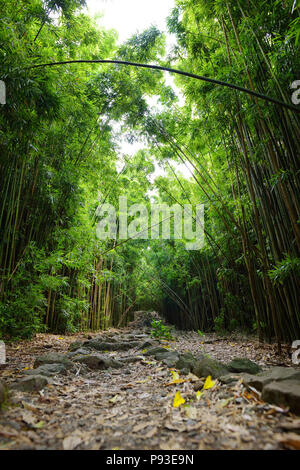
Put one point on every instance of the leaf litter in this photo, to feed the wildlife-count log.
(145, 404)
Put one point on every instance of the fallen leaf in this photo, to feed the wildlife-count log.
(39, 425)
(175, 375)
(209, 383)
(174, 382)
(116, 398)
(178, 400)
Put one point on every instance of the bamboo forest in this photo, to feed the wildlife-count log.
(149, 222)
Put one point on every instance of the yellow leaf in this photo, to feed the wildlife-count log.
(143, 381)
(208, 383)
(144, 351)
(178, 400)
(115, 399)
(199, 395)
(178, 381)
(60, 337)
(175, 375)
(39, 425)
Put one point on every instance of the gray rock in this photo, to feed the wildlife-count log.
(149, 343)
(53, 358)
(284, 393)
(208, 366)
(47, 370)
(276, 374)
(76, 345)
(169, 358)
(33, 383)
(186, 361)
(240, 364)
(99, 362)
(111, 346)
(80, 351)
(228, 379)
(155, 350)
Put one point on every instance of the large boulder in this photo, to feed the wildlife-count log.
(284, 393)
(53, 358)
(33, 383)
(208, 366)
(242, 364)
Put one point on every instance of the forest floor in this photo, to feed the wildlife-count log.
(132, 408)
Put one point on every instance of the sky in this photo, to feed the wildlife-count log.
(128, 17)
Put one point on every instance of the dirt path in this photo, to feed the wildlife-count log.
(132, 407)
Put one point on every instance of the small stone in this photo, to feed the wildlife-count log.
(155, 350)
(228, 379)
(208, 366)
(240, 364)
(99, 362)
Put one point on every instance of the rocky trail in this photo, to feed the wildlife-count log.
(123, 390)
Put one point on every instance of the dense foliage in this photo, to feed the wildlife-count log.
(60, 159)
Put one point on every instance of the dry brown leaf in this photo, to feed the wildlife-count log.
(291, 440)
